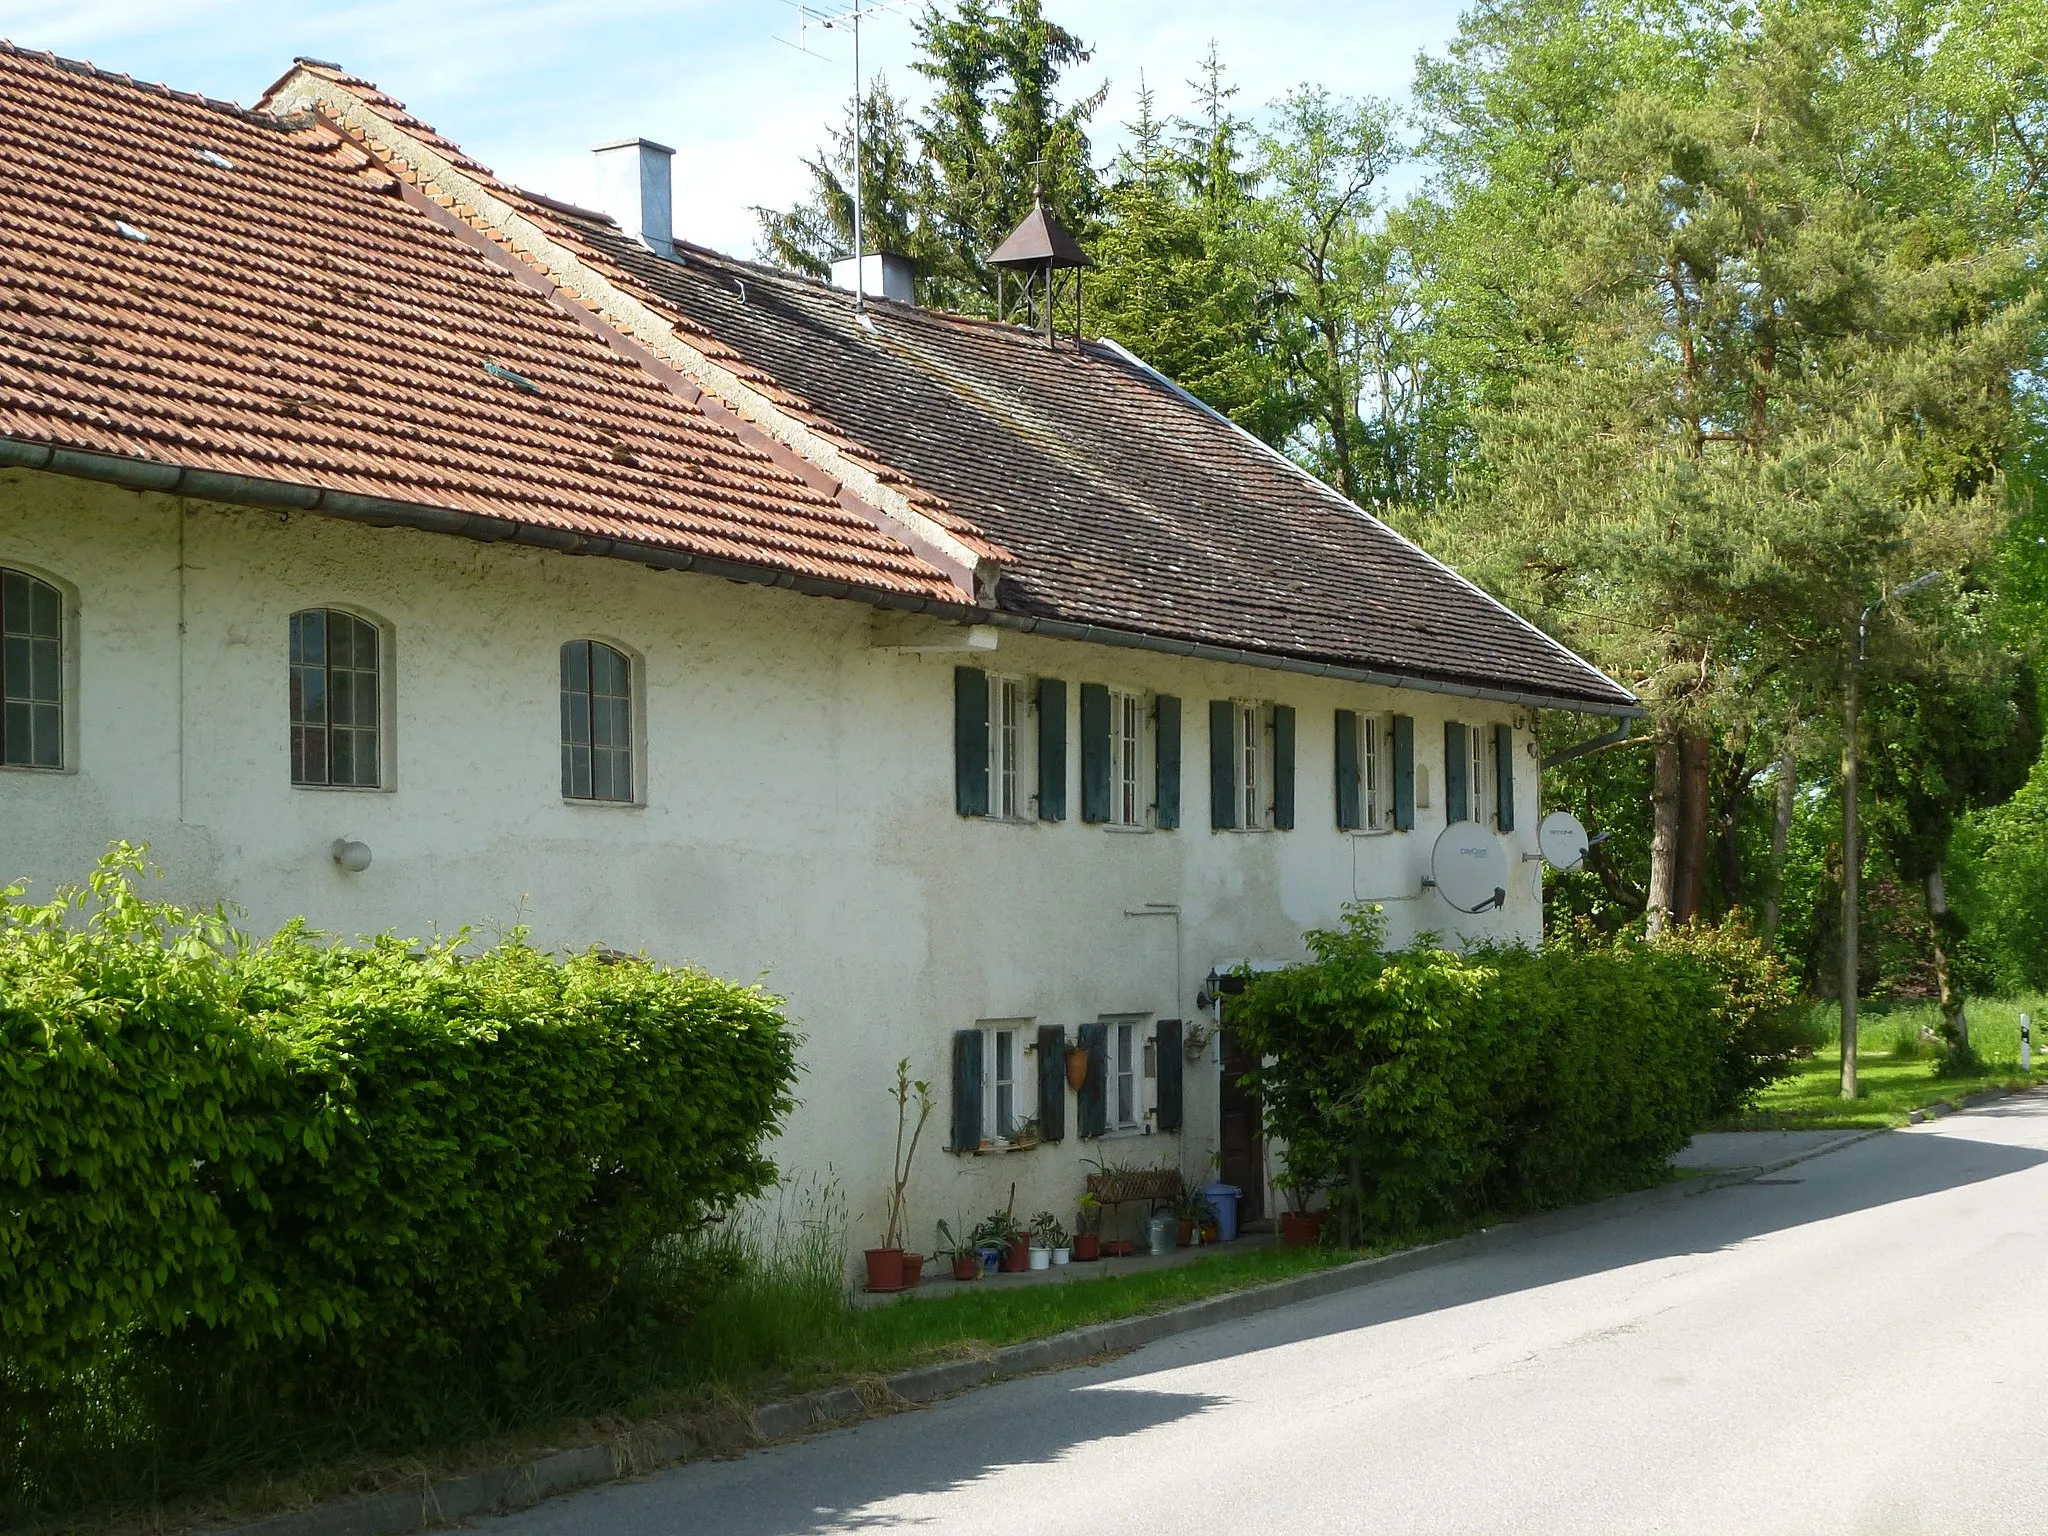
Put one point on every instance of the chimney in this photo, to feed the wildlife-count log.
(887, 277)
(635, 184)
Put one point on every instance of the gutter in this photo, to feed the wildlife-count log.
(383, 512)
(1613, 738)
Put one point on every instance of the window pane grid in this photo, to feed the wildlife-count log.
(1005, 728)
(31, 672)
(1005, 1055)
(1251, 813)
(1126, 1075)
(1126, 717)
(335, 699)
(597, 722)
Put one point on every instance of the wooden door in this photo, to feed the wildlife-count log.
(1242, 1121)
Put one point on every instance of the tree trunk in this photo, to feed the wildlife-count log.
(1781, 836)
(1954, 1022)
(1734, 881)
(1663, 834)
(1695, 805)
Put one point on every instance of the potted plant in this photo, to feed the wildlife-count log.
(1300, 1227)
(1049, 1238)
(1192, 1213)
(887, 1265)
(1087, 1229)
(1000, 1234)
(959, 1252)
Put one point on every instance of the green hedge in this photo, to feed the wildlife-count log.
(329, 1155)
(1423, 1085)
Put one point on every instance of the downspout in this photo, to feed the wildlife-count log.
(1613, 738)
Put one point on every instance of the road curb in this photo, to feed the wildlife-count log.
(516, 1486)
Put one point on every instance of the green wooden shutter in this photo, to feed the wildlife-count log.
(1283, 767)
(1052, 749)
(970, 741)
(1347, 771)
(1094, 752)
(966, 1089)
(1457, 794)
(1166, 762)
(1052, 1083)
(1504, 776)
(1404, 773)
(1222, 764)
(1166, 1051)
(1091, 1106)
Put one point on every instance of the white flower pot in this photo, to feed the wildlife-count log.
(1040, 1257)
(1061, 1255)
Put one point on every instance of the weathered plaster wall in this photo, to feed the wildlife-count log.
(797, 822)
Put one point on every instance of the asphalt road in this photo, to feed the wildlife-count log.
(1850, 1347)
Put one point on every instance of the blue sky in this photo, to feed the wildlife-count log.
(528, 86)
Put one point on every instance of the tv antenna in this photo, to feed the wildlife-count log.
(845, 18)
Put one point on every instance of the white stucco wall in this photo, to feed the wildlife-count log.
(797, 823)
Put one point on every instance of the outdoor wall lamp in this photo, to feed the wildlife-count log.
(351, 856)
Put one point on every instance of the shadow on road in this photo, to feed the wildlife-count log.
(836, 1481)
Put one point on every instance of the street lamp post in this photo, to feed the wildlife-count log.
(1852, 860)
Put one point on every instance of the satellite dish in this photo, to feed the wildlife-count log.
(1469, 867)
(1562, 840)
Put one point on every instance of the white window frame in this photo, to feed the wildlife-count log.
(1375, 772)
(1008, 709)
(1130, 805)
(1249, 731)
(994, 1083)
(1480, 774)
(1127, 1044)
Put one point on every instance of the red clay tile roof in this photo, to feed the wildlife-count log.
(289, 316)
(1118, 503)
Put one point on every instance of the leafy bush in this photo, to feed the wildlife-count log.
(331, 1159)
(1423, 1084)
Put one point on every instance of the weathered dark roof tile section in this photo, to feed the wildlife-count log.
(290, 317)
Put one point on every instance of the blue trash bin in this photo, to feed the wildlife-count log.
(1222, 1200)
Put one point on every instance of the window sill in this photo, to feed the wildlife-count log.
(58, 772)
(604, 805)
(1117, 826)
(1007, 821)
(990, 1149)
(1373, 831)
(1126, 1133)
(346, 789)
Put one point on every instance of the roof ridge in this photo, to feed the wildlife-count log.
(968, 557)
(152, 87)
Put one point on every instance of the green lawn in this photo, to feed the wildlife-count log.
(1890, 1082)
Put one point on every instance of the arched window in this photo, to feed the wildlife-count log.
(31, 672)
(597, 722)
(335, 699)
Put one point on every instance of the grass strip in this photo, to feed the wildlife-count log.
(1898, 1069)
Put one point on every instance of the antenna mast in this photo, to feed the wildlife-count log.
(847, 18)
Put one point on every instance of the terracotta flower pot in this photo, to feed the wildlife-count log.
(967, 1266)
(913, 1270)
(1077, 1066)
(1087, 1247)
(1302, 1229)
(885, 1269)
(1185, 1234)
(1017, 1257)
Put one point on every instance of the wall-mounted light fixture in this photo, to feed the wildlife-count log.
(351, 856)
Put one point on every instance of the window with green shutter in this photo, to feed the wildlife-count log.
(970, 741)
(1457, 789)
(1094, 752)
(1348, 819)
(1222, 764)
(1403, 734)
(1052, 749)
(1504, 776)
(1283, 767)
(1166, 762)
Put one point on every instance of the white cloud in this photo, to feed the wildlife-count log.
(527, 86)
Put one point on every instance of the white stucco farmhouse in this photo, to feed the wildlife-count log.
(981, 695)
